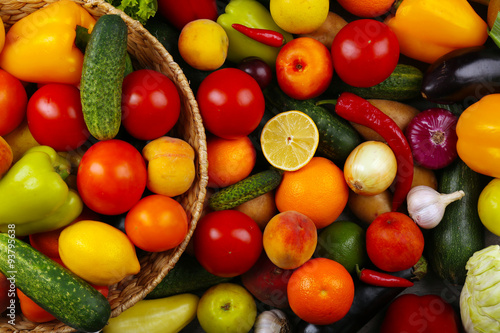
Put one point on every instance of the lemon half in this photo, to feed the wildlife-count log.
(289, 140)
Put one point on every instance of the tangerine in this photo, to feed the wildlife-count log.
(321, 291)
(317, 190)
(229, 160)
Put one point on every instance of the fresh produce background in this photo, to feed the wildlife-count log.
(353, 165)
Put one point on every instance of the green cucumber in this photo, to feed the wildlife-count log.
(245, 190)
(187, 276)
(404, 83)
(460, 233)
(337, 137)
(82, 39)
(60, 292)
(103, 68)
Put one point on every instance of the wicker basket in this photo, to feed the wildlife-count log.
(148, 53)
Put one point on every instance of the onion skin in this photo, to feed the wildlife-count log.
(432, 137)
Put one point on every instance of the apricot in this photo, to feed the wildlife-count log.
(6, 156)
(171, 168)
(290, 239)
(203, 44)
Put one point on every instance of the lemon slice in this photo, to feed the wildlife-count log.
(289, 140)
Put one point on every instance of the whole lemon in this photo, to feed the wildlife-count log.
(97, 252)
(299, 16)
(203, 44)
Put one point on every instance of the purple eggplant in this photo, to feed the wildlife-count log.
(463, 76)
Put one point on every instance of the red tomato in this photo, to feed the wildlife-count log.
(156, 223)
(13, 101)
(31, 310)
(55, 117)
(231, 103)
(111, 177)
(394, 242)
(179, 13)
(151, 104)
(413, 314)
(365, 52)
(227, 243)
(4, 293)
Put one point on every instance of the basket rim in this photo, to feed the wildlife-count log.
(136, 291)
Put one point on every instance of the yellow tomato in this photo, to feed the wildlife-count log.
(488, 206)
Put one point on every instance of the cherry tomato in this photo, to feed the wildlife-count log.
(156, 223)
(151, 104)
(365, 52)
(111, 177)
(231, 103)
(13, 101)
(227, 243)
(55, 117)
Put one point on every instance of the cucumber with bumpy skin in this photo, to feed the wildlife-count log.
(337, 137)
(103, 68)
(60, 292)
(245, 190)
(188, 275)
(404, 83)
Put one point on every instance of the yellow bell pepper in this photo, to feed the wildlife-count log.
(428, 29)
(478, 131)
(162, 315)
(41, 47)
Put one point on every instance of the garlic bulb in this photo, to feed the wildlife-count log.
(272, 321)
(426, 206)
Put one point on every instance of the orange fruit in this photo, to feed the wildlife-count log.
(367, 8)
(229, 160)
(321, 291)
(317, 190)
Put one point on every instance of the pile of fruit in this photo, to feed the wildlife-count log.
(352, 150)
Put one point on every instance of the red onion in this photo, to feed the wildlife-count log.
(432, 138)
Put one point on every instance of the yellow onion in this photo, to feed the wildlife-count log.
(370, 168)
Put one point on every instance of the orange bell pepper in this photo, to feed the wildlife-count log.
(428, 29)
(41, 46)
(478, 131)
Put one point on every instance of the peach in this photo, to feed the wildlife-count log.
(290, 239)
(6, 156)
(171, 168)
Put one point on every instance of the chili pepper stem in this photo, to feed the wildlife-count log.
(326, 101)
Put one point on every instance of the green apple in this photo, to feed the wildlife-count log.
(227, 308)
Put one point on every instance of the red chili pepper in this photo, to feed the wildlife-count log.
(381, 279)
(264, 36)
(358, 110)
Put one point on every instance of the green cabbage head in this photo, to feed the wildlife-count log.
(480, 296)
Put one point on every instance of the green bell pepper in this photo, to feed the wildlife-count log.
(34, 194)
(253, 14)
